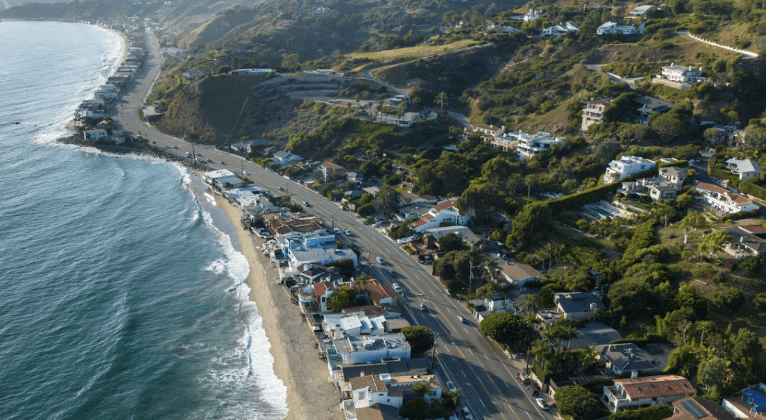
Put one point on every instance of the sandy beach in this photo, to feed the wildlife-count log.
(310, 393)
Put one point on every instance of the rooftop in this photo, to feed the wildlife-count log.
(380, 342)
(578, 302)
(626, 357)
(656, 386)
(694, 408)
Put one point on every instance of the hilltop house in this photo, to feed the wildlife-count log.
(560, 29)
(611, 28)
(747, 241)
(648, 107)
(723, 200)
(444, 212)
(634, 393)
(406, 120)
(743, 168)
(641, 11)
(532, 14)
(594, 112)
(683, 74)
(530, 145)
(625, 167)
(490, 130)
(667, 185)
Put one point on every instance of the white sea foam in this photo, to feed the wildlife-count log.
(255, 344)
(210, 199)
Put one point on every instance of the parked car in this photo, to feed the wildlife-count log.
(397, 288)
(451, 386)
(467, 413)
(535, 393)
(336, 230)
(541, 403)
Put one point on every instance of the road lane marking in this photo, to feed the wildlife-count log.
(482, 403)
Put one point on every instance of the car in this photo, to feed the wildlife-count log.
(461, 318)
(423, 307)
(280, 188)
(451, 386)
(167, 147)
(246, 172)
(467, 413)
(380, 260)
(348, 232)
(221, 162)
(154, 142)
(306, 203)
(336, 230)
(535, 393)
(541, 403)
(397, 288)
(175, 147)
(210, 161)
(392, 273)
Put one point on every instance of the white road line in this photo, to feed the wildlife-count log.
(482, 403)
(530, 416)
(466, 330)
(486, 357)
(466, 376)
(506, 384)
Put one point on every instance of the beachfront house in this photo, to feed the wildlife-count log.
(374, 349)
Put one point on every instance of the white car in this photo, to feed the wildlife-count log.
(348, 232)
(380, 260)
(541, 403)
(397, 288)
(451, 386)
(246, 173)
(336, 230)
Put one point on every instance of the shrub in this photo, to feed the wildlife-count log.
(657, 412)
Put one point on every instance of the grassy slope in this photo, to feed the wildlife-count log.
(417, 51)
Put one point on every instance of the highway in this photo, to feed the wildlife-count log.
(476, 365)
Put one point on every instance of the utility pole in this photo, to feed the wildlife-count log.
(433, 354)
(470, 282)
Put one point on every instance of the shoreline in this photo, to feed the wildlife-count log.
(310, 392)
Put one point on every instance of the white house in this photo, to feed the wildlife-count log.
(560, 29)
(490, 130)
(724, 200)
(594, 112)
(633, 393)
(353, 324)
(405, 120)
(625, 167)
(682, 74)
(391, 390)
(611, 28)
(743, 168)
(532, 14)
(530, 145)
(322, 291)
(372, 349)
(285, 158)
(444, 212)
(301, 256)
(641, 11)
(95, 135)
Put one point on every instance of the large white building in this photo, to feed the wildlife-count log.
(743, 168)
(724, 200)
(611, 28)
(625, 167)
(560, 29)
(531, 144)
(444, 212)
(682, 74)
(374, 349)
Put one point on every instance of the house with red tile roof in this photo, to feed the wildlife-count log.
(724, 200)
(322, 291)
(634, 393)
(329, 169)
(444, 212)
(381, 293)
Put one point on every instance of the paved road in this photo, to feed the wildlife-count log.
(464, 356)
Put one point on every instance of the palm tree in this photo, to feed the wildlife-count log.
(513, 182)
(529, 181)
(441, 98)
(547, 251)
(529, 304)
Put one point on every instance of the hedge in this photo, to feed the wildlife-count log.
(753, 189)
(641, 342)
(577, 200)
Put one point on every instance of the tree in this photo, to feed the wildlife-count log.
(530, 181)
(683, 360)
(578, 402)
(414, 409)
(588, 357)
(510, 330)
(385, 199)
(341, 299)
(714, 242)
(529, 304)
(421, 389)
(729, 299)
(291, 62)
(450, 242)
(441, 98)
(533, 220)
(693, 221)
(752, 265)
(712, 372)
(760, 302)
(420, 338)
(400, 109)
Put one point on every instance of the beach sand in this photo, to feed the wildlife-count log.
(310, 393)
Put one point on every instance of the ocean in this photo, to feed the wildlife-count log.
(121, 293)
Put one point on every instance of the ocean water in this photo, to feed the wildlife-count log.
(121, 294)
